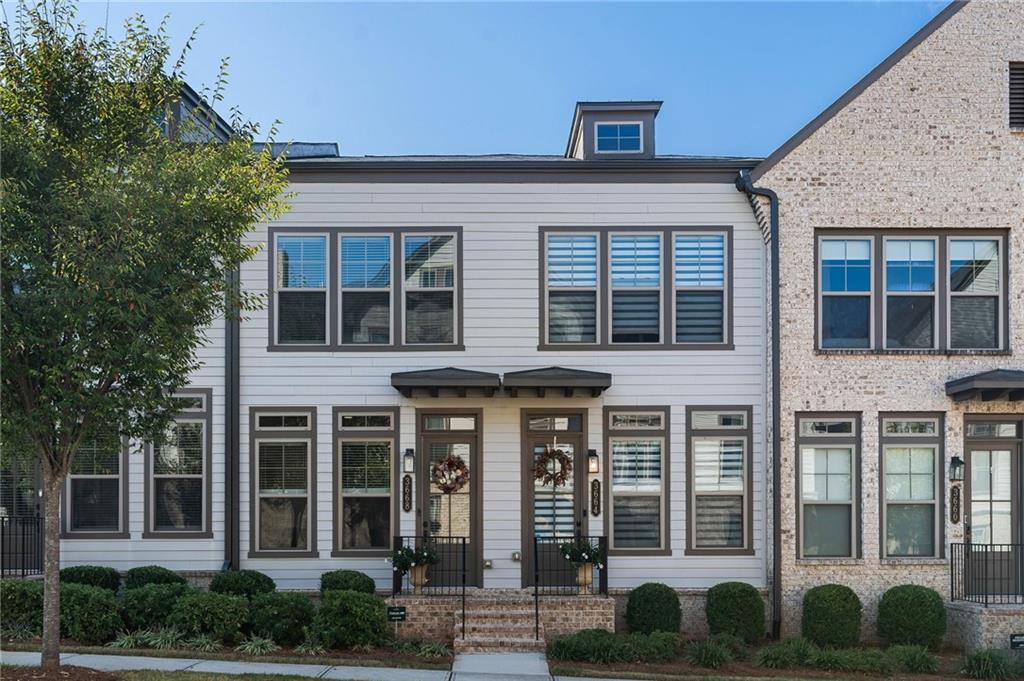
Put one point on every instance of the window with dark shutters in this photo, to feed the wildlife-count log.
(1017, 95)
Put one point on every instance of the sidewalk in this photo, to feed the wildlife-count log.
(467, 667)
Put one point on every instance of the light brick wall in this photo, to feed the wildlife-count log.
(926, 146)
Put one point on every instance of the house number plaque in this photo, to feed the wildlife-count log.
(595, 497)
(407, 493)
(954, 504)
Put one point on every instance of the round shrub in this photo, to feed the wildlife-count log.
(281, 616)
(21, 604)
(219, 616)
(151, 574)
(912, 615)
(350, 580)
(149, 606)
(831, 616)
(735, 608)
(92, 575)
(653, 607)
(246, 583)
(88, 614)
(350, 618)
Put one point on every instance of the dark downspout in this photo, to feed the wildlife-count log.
(231, 430)
(745, 184)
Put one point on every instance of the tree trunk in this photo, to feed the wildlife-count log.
(51, 573)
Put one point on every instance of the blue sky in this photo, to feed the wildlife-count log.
(737, 78)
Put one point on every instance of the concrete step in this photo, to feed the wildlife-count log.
(477, 644)
(496, 614)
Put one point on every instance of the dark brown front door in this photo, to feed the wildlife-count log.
(552, 513)
(995, 564)
(452, 518)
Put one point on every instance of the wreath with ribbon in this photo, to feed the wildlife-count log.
(450, 474)
(542, 469)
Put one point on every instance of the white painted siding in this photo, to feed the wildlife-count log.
(501, 237)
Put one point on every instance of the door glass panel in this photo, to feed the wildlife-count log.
(449, 514)
(991, 496)
(553, 508)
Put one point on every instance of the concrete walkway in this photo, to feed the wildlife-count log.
(467, 667)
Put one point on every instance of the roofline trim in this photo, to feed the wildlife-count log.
(863, 84)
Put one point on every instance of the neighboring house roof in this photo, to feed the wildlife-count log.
(298, 150)
(195, 102)
(862, 85)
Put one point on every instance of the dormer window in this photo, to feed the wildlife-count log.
(618, 138)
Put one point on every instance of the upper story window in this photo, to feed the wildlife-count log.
(618, 138)
(359, 290)
(898, 305)
(1017, 95)
(636, 288)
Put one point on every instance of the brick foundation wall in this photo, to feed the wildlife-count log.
(561, 616)
(428, 618)
(973, 627)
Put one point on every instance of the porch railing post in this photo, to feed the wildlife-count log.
(21, 546)
(536, 590)
(463, 542)
(602, 543)
(396, 575)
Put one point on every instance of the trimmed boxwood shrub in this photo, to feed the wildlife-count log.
(149, 606)
(735, 608)
(151, 574)
(350, 618)
(831, 616)
(246, 583)
(653, 607)
(88, 614)
(351, 580)
(281, 616)
(21, 604)
(912, 615)
(94, 575)
(220, 616)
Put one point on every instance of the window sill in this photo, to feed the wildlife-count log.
(902, 562)
(639, 553)
(636, 347)
(376, 554)
(95, 535)
(177, 535)
(718, 552)
(829, 561)
(366, 348)
(911, 353)
(283, 554)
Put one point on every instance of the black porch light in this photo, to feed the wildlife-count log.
(956, 469)
(409, 461)
(593, 461)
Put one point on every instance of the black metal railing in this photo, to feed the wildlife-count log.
(445, 577)
(989, 574)
(21, 545)
(556, 575)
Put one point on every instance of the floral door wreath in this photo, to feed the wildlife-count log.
(450, 474)
(563, 467)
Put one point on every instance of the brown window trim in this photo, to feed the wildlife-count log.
(746, 433)
(663, 434)
(124, 533)
(339, 434)
(254, 435)
(877, 339)
(205, 415)
(939, 441)
(667, 287)
(856, 441)
(397, 290)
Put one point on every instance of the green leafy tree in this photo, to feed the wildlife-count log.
(122, 224)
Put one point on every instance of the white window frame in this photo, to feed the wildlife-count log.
(661, 494)
(609, 303)
(547, 289)
(189, 476)
(1003, 261)
(271, 429)
(724, 288)
(121, 461)
(325, 289)
(384, 429)
(912, 441)
(598, 124)
(822, 294)
(310, 511)
(392, 445)
(390, 290)
(934, 295)
(453, 289)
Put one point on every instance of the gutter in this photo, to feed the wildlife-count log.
(232, 386)
(745, 184)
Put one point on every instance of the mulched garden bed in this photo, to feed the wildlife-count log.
(949, 669)
(63, 673)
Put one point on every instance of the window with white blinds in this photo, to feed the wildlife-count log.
(283, 490)
(572, 281)
(429, 263)
(365, 489)
(301, 289)
(699, 288)
(720, 479)
(94, 485)
(635, 275)
(638, 473)
(365, 276)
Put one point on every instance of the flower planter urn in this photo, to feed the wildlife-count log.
(418, 577)
(585, 578)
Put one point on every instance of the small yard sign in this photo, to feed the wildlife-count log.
(396, 613)
(1017, 641)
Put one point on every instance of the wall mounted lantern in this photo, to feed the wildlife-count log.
(956, 469)
(409, 461)
(593, 461)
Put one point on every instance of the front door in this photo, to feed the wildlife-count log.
(995, 558)
(451, 515)
(553, 493)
